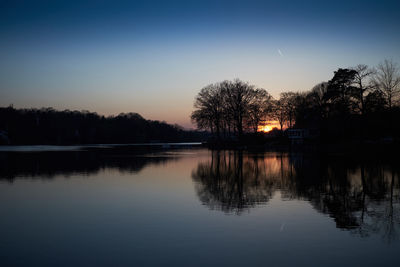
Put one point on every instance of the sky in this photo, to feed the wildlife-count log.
(153, 57)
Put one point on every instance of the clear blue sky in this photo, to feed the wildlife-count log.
(152, 57)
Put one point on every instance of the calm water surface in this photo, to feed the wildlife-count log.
(195, 207)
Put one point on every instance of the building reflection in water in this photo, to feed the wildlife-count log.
(361, 195)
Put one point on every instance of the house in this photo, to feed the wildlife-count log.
(298, 136)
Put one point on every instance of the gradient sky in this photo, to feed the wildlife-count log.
(152, 57)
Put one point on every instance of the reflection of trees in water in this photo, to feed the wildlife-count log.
(233, 182)
(48, 164)
(381, 204)
(361, 196)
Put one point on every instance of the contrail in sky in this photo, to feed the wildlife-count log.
(280, 52)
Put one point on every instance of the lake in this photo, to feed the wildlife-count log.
(197, 207)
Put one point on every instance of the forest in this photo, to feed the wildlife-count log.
(51, 127)
(358, 104)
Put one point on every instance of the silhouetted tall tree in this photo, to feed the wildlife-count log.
(238, 97)
(387, 79)
(209, 109)
(279, 113)
(288, 101)
(319, 99)
(341, 90)
(362, 84)
(259, 108)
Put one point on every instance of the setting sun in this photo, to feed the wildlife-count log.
(264, 128)
(268, 126)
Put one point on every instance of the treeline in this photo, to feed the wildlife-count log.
(359, 103)
(49, 126)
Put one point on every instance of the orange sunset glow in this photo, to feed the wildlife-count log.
(268, 126)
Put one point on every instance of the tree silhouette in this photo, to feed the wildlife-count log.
(363, 84)
(259, 109)
(209, 109)
(341, 90)
(230, 105)
(238, 97)
(387, 79)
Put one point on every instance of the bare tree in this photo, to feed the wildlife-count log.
(258, 108)
(288, 101)
(319, 99)
(209, 109)
(387, 79)
(279, 113)
(363, 84)
(202, 119)
(238, 96)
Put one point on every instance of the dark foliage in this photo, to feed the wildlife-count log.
(357, 106)
(49, 126)
(338, 117)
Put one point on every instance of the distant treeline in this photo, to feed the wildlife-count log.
(49, 126)
(359, 103)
